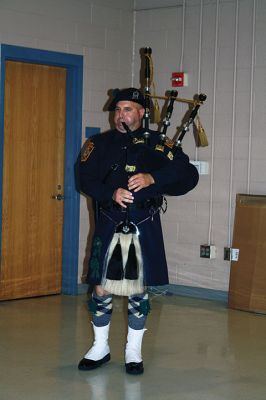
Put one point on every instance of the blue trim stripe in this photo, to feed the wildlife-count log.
(74, 66)
(2, 80)
(190, 291)
(90, 131)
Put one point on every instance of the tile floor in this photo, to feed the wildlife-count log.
(193, 350)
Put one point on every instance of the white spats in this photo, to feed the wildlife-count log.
(133, 346)
(100, 347)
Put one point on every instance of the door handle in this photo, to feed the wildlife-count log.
(58, 197)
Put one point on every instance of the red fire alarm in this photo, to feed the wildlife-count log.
(179, 79)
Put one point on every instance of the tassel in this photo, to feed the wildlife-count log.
(131, 268)
(201, 134)
(156, 113)
(115, 269)
(203, 140)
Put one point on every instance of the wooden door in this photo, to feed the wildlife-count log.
(33, 172)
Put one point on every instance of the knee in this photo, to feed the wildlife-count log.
(99, 291)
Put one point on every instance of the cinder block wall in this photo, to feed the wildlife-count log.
(221, 45)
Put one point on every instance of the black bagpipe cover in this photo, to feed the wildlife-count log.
(187, 174)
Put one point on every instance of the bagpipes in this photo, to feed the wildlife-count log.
(169, 148)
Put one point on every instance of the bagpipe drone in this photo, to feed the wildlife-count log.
(194, 105)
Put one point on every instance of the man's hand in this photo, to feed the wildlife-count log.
(140, 181)
(122, 197)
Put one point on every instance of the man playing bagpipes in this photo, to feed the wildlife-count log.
(127, 171)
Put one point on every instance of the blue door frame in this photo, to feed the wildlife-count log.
(74, 67)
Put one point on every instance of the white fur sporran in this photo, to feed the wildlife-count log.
(124, 287)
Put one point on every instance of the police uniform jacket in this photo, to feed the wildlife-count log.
(106, 162)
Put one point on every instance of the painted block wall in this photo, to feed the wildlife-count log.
(221, 45)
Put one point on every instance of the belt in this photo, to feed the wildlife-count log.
(154, 202)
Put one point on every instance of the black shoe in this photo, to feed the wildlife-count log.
(134, 368)
(86, 364)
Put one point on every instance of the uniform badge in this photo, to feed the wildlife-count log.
(170, 155)
(138, 140)
(135, 95)
(87, 150)
(130, 168)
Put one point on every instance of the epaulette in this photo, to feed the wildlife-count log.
(87, 150)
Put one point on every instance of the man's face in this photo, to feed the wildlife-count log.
(129, 112)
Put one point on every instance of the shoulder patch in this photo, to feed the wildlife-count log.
(87, 150)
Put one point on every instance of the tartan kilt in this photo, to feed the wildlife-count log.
(151, 242)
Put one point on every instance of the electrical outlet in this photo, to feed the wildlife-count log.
(231, 254)
(207, 251)
(202, 167)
